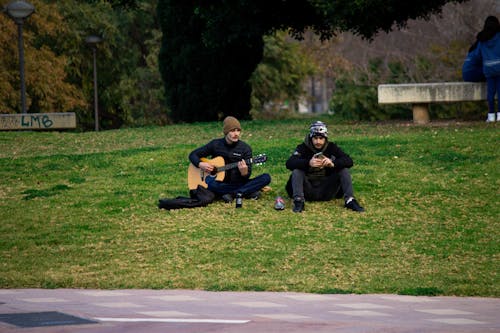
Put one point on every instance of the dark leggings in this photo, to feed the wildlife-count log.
(493, 84)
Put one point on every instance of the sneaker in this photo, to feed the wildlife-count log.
(228, 198)
(298, 205)
(239, 200)
(279, 203)
(352, 204)
(254, 196)
(491, 117)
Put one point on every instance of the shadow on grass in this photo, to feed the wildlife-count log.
(34, 193)
(422, 291)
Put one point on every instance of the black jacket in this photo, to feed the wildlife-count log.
(230, 152)
(305, 151)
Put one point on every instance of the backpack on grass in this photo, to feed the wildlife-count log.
(198, 197)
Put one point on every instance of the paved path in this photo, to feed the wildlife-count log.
(185, 311)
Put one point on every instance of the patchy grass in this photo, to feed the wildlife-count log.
(79, 210)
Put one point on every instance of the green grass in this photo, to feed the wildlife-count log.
(79, 210)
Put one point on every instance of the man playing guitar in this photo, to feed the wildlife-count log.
(236, 182)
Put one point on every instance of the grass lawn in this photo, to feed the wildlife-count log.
(79, 210)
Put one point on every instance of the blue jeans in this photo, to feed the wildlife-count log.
(493, 84)
(251, 186)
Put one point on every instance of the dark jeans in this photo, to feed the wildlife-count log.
(493, 88)
(336, 185)
(251, 186)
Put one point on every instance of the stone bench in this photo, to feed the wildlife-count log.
(37, 121)
(420, 95)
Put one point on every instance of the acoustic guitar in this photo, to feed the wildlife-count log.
(196, 176)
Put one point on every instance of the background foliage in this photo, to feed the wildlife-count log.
(47, 86)
(132, 92)
(210, 50)
(278, 81)
(59, 63)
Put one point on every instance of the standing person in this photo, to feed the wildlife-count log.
(237, 182)
(320, 171)
(488, 52)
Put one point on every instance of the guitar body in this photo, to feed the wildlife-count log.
(196, 176)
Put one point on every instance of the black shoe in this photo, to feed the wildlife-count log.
(254, 196)
(354, 205)
(298, 205)
(228, 198)
(239, 200)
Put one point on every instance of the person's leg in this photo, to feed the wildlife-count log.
(295, 189)
(347, 189)
(490, 96)
(288, 186)
(295, 185)
(255, 184)
(220, 188)
(497, 81)
(346, 183)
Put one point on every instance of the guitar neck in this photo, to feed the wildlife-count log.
(233, 165)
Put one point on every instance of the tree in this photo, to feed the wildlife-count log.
(278, 81)
(59, 73)
(210, 49)
(47, 86)
(123, 58)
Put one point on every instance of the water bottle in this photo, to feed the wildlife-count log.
(239, 200)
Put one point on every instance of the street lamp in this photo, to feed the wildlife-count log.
(20, 11)
(93, 40)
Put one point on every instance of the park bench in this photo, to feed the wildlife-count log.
(420, 95)
(37, 121)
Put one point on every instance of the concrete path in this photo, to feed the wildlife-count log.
(183, 311)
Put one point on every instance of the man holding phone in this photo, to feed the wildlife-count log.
(320, 171)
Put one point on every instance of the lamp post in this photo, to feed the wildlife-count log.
(19, 11)
(93, 40)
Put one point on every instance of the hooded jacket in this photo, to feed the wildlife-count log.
(472, 68)
(488, 52)
(305, 151)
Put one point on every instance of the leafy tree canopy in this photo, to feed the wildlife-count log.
(47, 86)
(117, 3)
(210, 49)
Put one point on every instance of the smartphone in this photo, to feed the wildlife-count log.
(319, 155)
